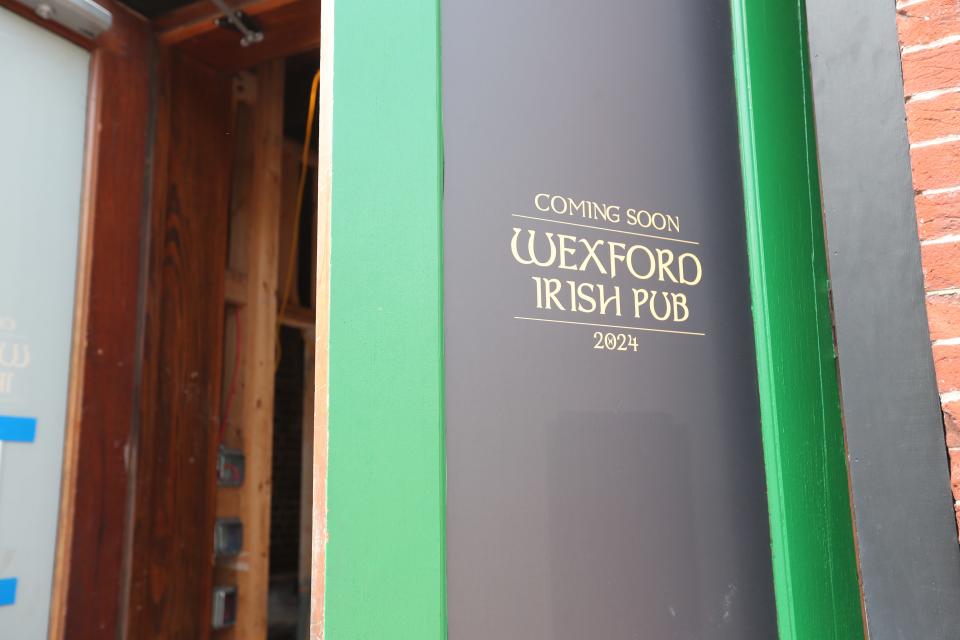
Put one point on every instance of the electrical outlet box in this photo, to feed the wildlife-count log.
(227, 537)
(224, 607)
(230, 467)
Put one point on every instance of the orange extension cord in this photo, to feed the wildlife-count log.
(288, 280)
(295, 236)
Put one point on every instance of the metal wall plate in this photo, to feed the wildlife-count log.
(227, 537)
(224, 607)
(230, 467)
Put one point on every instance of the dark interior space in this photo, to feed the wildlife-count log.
(288, 602)
(285, 503)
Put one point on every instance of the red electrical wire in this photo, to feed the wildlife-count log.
(231, 389)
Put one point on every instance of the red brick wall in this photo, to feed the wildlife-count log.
(930, 53)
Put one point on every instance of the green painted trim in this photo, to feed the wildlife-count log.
(814, 558)
(385, 572)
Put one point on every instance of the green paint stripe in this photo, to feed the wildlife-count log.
(814, 559)
(385, 556)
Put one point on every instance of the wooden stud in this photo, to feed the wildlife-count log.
(288, 214)
(261, 211)
(236, 287)
(298, 317)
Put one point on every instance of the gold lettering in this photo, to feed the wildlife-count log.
(536, 201)
(565, 251)
(615, 257)
(673, 223)
(530, 249)
(696, 262)
(592, 253)
(650, 259)
(653, 306)
(553, 206)
(580, 207)
(552, 289)
(680, 302)
(572, 253)
(586, 297)
(606, 300)
(640, 297)
(537, 280)
(664, 260)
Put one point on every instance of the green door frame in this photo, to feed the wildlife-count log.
(384, 511)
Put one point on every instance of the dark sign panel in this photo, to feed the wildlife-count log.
(604, 461)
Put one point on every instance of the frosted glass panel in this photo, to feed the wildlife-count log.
(43, 95)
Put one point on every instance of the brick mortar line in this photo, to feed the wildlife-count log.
(943, 292)
(903, 4)
(933, 142)
(939, 191)
(945, 41)
(932, 94)
(947, 239)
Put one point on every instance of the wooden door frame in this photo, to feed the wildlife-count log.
(88, 575)
(172, 571)
(321, 361)
(101, 445)
(379, 457)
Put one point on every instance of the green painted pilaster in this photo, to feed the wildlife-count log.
(385, 555)
(814, 559)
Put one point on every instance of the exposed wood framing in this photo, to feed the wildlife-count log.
(292, 152)
(236, 287)
(322, 306)
(298, 317)
(289, 27)
(198, 18)
(256, 211)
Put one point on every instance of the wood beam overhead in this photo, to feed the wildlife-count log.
(289, 26)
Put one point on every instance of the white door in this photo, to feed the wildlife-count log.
(43, 100)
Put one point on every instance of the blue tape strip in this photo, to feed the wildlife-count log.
(8, 591)
(17, 429)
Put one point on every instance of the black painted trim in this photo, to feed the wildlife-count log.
(906, 532)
